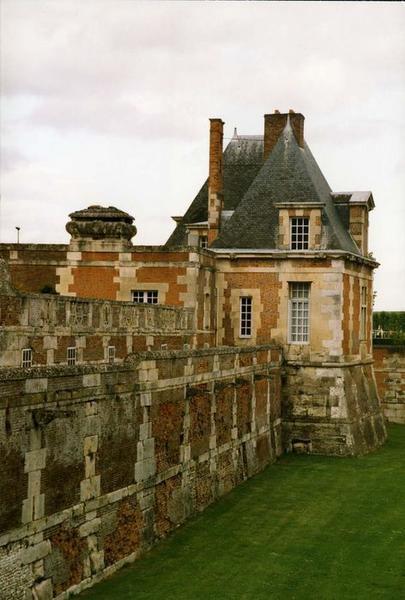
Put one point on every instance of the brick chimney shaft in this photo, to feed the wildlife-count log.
(215, 179)
(215, 160)
(274, 125)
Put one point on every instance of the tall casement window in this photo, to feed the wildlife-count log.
(26, 358)
(299, 233)
(145, 296)
(203, 241)
(363, 312)
(245, 316)
(299, 312)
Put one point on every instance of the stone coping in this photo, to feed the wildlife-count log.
(99, 301)
(19, 373)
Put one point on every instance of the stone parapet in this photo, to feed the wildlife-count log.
(49, 324)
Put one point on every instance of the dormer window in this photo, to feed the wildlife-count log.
(299, 225)
(299, 233)
(203, 241)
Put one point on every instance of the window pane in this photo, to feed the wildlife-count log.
(299, 233)
(245, 316)
(299, 312)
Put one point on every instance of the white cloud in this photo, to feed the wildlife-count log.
(108, 102)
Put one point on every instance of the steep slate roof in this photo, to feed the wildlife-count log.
(289, 174)
(253, 188)
(243, 158)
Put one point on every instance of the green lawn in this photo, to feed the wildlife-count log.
(307, 527)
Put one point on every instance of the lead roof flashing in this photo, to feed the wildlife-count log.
(299, 204)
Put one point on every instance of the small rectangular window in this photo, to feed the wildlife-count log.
(203, 241)
(363, 313)
(299, 233)
(71, 355)
(111, 354)
(26, 358)
(145, 296)
(245, 316)
(299, 312)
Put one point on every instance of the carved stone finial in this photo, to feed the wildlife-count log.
(101, 223)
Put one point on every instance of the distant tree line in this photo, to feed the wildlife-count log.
(389, 326)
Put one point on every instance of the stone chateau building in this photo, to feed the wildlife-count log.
(151, 380)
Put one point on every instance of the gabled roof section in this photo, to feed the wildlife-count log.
(243, 158)
(352, 198)
(289, 174)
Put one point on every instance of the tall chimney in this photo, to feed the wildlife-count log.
(215, 179)
(274, 125)
(297, 124)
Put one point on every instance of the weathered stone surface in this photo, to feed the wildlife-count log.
(43, 590)
(389, 368)
(34, 553)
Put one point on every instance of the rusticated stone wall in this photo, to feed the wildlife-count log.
(331, 409)
(389, 368)
(101, 461)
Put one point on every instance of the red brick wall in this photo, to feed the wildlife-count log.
(269, 286)
(33, 278)
(94, 282)
(169, 275)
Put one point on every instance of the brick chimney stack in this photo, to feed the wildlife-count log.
(215, 179)
(274, 125)
(297, 124)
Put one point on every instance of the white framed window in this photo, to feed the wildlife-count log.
(299, 233)
(111, 354)
(145, 296)
(298, 309)
(245, 316)
(203, 241)
(363, 312)
(71, 355)
(26, 358)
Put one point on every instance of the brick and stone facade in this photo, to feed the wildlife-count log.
(252, 343)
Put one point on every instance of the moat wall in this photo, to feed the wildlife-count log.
(101, 461)
(389, 369)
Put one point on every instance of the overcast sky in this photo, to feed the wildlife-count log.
(107, 102)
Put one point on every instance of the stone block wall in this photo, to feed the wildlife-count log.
(101, 461)
(389, 368)
(331, 409)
